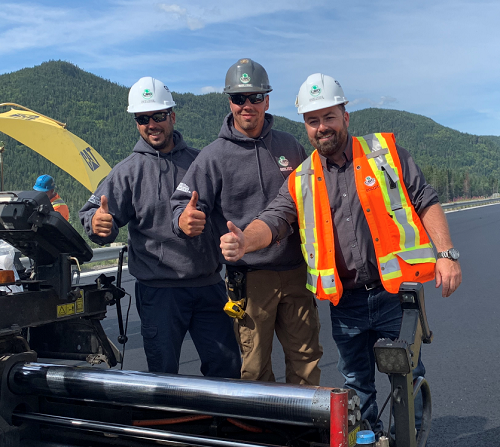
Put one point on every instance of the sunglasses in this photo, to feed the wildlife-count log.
(143, 120)
(254, 98)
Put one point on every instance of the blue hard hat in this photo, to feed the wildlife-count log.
(44, 183)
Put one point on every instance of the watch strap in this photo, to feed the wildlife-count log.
(446, 254)
(443, 254)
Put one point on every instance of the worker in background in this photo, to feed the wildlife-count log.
(363, 208)
(236, 177)
(178, 287)
(46, 184)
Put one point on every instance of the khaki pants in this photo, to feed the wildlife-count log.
(279, 301)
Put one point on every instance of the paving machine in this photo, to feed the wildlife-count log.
(57, 404)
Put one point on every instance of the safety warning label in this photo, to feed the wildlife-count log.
(68, 309)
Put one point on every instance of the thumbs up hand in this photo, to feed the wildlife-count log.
(102, 221)
(233, 243)
(192, 220)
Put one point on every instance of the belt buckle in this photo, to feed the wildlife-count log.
(372, 285)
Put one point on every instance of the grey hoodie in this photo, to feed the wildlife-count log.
(138, 191)
(236, 177)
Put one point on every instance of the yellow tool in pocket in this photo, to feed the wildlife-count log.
(236, 293)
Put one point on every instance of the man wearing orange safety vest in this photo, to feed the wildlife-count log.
(46, 184)
(364, 212)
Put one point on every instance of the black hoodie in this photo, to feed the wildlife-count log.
(138, 191)
(236, 177)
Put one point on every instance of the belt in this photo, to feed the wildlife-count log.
(239, 268)
(373, 285)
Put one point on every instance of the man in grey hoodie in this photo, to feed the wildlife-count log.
(178, 286)
(234, 178)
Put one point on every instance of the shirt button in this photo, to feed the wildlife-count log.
(348, 219)
(353, 245)
(344, 195)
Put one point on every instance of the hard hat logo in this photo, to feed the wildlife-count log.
(246, 75)
(315, 90)
(318, 92)
(245, 79)
(147, 94)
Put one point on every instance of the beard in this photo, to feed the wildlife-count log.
(162, 145)
(158, 144)
(333, 146)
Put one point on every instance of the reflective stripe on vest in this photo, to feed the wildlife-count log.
(58, 202)
(305, 191)
(414, 247)
(59, 206)
(304, 187)
(402, 247)
(381, 161)
(382, 164)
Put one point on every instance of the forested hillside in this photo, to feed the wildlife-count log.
(457, 164)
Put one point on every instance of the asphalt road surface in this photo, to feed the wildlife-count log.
(463, 361)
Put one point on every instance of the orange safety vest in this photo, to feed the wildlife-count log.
(59, 206)
(402, 247)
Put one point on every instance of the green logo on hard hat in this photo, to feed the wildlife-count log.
(147, 94)
(315, 90)
(245, 79)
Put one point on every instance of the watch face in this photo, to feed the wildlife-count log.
(454, 254)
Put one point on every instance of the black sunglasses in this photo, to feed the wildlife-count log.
(156, 117)
(254, 98)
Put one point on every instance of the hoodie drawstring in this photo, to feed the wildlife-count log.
(159, 174)
(173, 169)
(259, 169)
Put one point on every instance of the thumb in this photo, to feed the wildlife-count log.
(194, 200)
(233, 228)
(104, 205)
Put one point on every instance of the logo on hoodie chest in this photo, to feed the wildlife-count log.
(183, 187)
(284, 164)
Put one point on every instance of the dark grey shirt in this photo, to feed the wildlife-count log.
(354, 251)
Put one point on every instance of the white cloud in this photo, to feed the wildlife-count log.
(434, 57)
(282, 34)
(382, 102)
(210, 89)
(192, 23)
(39, 26)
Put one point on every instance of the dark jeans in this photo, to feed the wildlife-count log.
(358, 321)
(167, 313)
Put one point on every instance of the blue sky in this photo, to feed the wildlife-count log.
(437, 58)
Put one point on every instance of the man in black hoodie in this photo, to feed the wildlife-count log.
(235, 178)
(178, 286)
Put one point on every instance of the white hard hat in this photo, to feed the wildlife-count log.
(319, 92)
(148, 95)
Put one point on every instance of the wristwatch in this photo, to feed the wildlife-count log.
(452, 254)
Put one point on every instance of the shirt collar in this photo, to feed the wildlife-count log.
(347, 154)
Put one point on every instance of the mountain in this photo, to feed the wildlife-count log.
(457, 164)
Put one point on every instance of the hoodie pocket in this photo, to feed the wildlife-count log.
(189, 258)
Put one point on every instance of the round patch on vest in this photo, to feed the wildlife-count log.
(369, 181)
